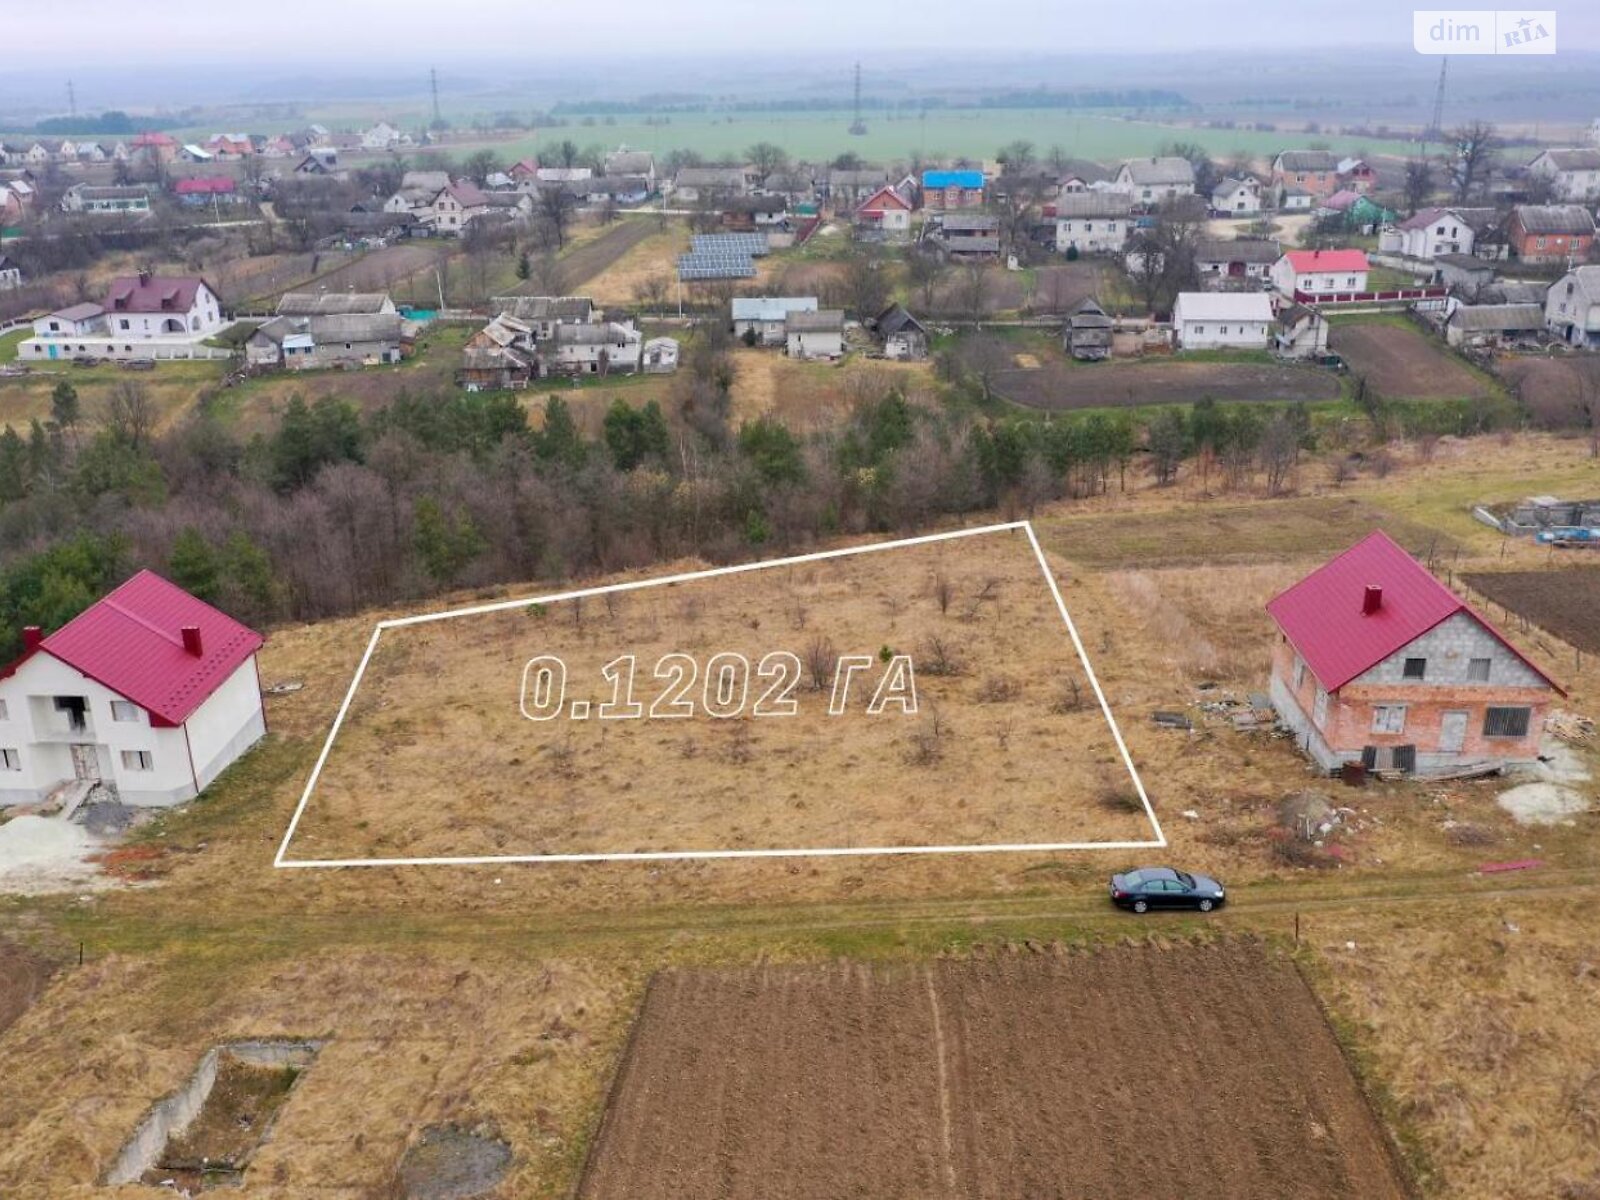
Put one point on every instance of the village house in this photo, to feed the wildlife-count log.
(1244, 262)
(498, 357)
(1299, 332)
(332, 339)
(745, 214)
(1317, 273)
(945, 190)
(847, 188)
(637, 163)
(593, 348)
(1092, 222)
(1222, 320)
(16, 202)
(1572, 308)
(382, 136)
(1088, 333)
(1572, 174)
(1551, 233)
(693, 184)
(10, 274)
(1237, 196)
(455, 207)
(1378, 663)
(814, 334)
(229, 147)
(542, 314)
(1356, 175)
(149, 694)
(90, 198)
(323, 304)
(903, 336)
(763, 319)
(206, 190)
(1429, 233)
(660, 356)
(964, 235)
(1492, 324)
(1151, 181)
(1314, 173)
(885, 215)
(1463, 274)
(142, 316)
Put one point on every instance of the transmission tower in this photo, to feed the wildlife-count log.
(72, 100)
(433, 84)
(858, 127)
(1436, 122)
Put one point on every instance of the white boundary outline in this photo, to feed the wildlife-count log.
(1159, 842)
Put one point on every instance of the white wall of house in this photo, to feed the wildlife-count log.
(1570, 314)
(1092, 235)
(1215, 335)
(1316, 283)
(815, 343)
(1448, 234)
(229, 722)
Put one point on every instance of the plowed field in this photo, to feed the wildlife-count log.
(1198, 1072)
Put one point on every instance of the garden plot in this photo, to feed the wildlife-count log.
(1200, 1071)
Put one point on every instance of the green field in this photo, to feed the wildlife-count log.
(975, 133)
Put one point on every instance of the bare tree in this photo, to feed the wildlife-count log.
(558, 206)
(1419, 183)
(1476, 148)
(130, 414)
(974, 291)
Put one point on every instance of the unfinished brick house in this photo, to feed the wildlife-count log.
(1379, 663)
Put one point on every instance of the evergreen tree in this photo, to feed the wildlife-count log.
(193, 564)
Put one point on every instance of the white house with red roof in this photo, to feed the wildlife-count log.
(1379, 663)
(150, 691)
(887, 213)
(1316, 273)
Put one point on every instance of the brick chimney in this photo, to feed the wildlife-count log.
(191, 640)
(32, 635)
(1372, 601)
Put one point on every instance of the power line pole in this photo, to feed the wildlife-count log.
(1436, 121)
(433, 83)
(858, 127)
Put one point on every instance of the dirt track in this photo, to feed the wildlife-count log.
(1195, 1071)
(22, 977)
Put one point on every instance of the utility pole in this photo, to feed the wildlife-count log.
(858, 127)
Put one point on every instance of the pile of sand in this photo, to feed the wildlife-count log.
(45, 854)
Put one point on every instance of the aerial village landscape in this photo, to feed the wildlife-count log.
(855, 626)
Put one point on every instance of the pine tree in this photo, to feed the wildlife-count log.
(193, 564)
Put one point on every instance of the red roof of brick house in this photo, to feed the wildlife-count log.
(154, 643)
(1356, 610)
(884, 197)
(205, 186)
(146, 293)
(1327, 260)
(154, 139)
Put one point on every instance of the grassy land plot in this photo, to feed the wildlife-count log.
(172, 387)
(1230, 533)
(1404, 363)
(1133, 384)
(1564, 602)
(1003, 743)
(1004, 1077)
(650, 258)
(809, 396)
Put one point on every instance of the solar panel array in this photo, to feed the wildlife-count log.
(722, 256)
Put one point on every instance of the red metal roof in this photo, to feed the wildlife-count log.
(1327, 260)
(204, 185)
(132, 642)
(884, 197)
(153, 293)
(1323, 617)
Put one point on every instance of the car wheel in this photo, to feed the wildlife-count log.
(1140, 906)
(1207, 905)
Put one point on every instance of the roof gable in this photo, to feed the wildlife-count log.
(1324, 616)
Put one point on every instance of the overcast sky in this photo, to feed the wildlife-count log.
(299, 31)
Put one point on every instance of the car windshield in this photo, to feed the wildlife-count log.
(1186, 879)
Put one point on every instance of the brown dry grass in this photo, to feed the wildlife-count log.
(435, 759)
(813, 397)
(656, 257)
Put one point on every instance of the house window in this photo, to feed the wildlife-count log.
(136, 760)
(124, 710)
(1319, 710)
(1478, 670)
(1506, 722)
(1199, 329)
(1415, 668)
(10, 760)
(1388, 718)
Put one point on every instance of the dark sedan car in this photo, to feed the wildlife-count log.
(1165, 887)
